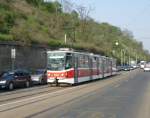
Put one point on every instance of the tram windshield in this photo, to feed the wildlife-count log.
(56, 61)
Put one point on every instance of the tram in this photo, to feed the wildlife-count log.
(71, 67)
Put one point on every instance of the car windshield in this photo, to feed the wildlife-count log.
(38, 72)
(6, 74)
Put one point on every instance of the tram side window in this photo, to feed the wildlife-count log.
(101, 63)
(83, 61)
(69, 61)
(94, 62)
(105, 65)
(114, 63)
(86, 65)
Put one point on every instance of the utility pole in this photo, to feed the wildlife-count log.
(124, 57)
(121, 57)
(71, 36)
(65, 38)
(136, 59)
(129, 59)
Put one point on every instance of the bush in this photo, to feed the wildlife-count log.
(55, 43)
(4, 37)
(35, 2)
(7, 20)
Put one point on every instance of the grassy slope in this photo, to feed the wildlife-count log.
(23, 22)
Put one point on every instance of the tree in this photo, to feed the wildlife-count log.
(35, 2)
(67, 6)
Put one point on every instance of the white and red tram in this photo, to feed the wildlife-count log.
(75, 67)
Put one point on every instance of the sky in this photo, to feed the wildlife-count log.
(133, 15)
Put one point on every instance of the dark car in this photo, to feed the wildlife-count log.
(13, 79)
(126, 68)
(39, 77)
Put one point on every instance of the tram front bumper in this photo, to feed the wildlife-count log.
(60, 80)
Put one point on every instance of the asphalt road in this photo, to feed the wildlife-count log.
(123, 96)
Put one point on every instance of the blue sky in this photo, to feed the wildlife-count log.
(133, 15)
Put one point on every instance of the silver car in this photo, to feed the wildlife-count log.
(147, 67)
(39, 77)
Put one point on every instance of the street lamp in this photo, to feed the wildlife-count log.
(117, 43)
(122, 54)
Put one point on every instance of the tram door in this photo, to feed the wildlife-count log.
(91, 67)
(111, 67)
(75, 68)
(103, 67)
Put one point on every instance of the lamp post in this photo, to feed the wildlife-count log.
(121, 53)
(70, 35)
(124, 58)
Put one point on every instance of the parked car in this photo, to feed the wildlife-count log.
(119, 68)
(147, 67)
(12, 79)
(132, 68)
(126, 68)
(39, 77)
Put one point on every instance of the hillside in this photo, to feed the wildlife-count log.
(35, 22)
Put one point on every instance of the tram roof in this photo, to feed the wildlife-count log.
(80, 52)
(72, 51)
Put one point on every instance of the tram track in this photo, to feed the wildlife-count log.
(64, 95)
(32, 92)
(26, 93)
(40, 90)
(17, 95)
(20, 90)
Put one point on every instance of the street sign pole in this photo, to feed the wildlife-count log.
(13, 56)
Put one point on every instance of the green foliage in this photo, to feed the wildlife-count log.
(35, 2)
(4, 37)
(54, 43)
(52, 7)
(4, 7)
(33, 21)
(7, 18)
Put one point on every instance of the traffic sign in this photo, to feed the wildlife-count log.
(13, 53)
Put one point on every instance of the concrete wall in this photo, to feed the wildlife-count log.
(27, 57)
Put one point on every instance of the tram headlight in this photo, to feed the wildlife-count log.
(62, 75)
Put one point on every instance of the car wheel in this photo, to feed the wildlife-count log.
(10, 86)
(27, 84)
